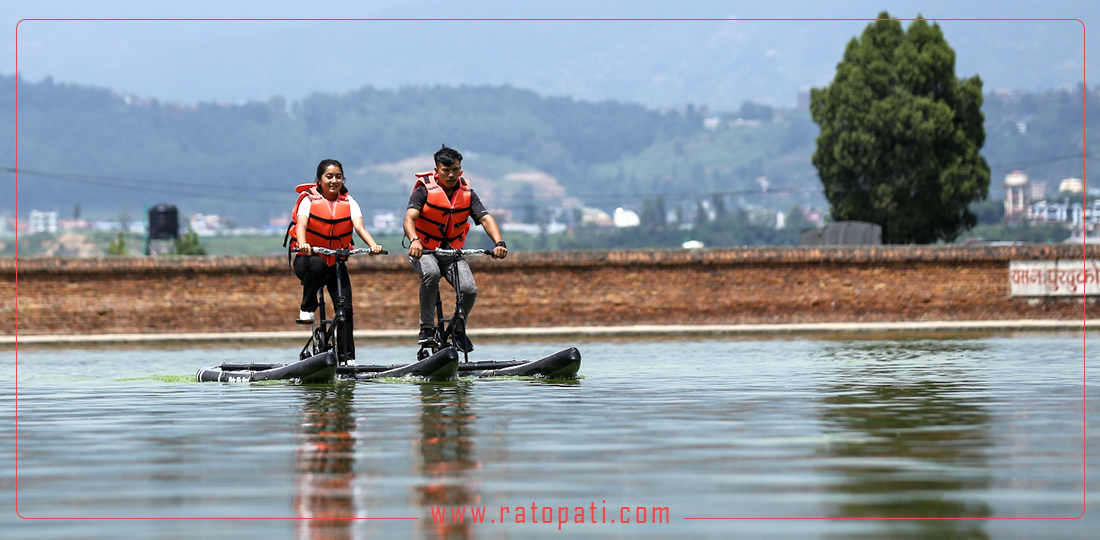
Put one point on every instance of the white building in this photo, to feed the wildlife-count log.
(42, 222)
(1072, 185)
(1016, 194)
(595, 216)
(626, 218)
(1038, 191)
(1076, 214)
(205, 224)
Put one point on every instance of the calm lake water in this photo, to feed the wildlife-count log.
(736, 438)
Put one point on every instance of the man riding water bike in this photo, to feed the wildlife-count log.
(438, 217)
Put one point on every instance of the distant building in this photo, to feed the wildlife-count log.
(1038, 191)
(73, 224)
(626, 218)
(1072, 185)
(595, 216)
(42, 222)
(1016, 194)
(1042, 212)
(744, 122)
(1075, 214)
(205, 224)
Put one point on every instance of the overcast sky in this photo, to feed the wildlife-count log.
(657, 63)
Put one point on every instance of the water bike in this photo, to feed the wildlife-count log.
(322, 358)
(450, 334)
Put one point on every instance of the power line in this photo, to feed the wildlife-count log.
(216, 191)
(1021, 164)
(120, 181)
(680, 195)
(211, 191)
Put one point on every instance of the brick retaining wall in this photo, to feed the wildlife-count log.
(579, 288)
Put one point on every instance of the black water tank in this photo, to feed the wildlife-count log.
(164, 222)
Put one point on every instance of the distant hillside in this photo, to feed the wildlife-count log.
(114, 155)
(1042, 135)
(113, 151)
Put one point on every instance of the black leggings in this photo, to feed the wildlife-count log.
(314, 273)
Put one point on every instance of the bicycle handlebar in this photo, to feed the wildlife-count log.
(356, 251)
(440, 251)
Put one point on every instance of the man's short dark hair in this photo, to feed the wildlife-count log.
(447, 156)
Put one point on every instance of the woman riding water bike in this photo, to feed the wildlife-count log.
(325, 217)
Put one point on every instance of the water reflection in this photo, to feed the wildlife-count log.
(324, 496)
(909, 442)
(446, 452)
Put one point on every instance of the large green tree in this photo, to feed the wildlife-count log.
(901, 134)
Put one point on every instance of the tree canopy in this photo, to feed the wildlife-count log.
(901, 134)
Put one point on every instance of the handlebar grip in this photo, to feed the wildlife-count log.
(442, 251)
(356, 251)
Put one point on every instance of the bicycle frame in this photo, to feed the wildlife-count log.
(330, 334)
(449, 330)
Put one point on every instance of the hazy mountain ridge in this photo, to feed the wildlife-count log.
(111, 153)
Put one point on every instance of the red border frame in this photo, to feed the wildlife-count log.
(1084, 179)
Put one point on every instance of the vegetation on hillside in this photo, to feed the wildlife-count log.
(532, 156)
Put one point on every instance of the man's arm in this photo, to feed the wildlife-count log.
(490, 225)
(415, 249)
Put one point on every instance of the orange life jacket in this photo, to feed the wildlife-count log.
(443, 221)
(329, 224)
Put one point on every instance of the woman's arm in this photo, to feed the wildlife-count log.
(357, 224)
(300, 235)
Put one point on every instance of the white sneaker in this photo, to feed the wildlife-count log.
(305, 317)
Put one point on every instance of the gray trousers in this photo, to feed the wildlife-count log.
(430, 267)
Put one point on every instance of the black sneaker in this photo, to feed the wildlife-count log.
(427, 338)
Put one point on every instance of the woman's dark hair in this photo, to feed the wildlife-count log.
(325, 164)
